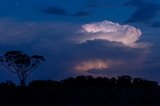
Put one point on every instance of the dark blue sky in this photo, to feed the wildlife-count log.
(76, 40)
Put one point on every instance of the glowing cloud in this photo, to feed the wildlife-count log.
(107, 30)
(97, 65)
(88, 65)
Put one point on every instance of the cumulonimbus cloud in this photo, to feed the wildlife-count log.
(117, 39)
(104, 51)
(107, 30)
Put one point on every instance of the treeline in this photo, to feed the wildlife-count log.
(89, 81)
(82, 91)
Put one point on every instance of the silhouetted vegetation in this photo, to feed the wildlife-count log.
(20, 63)
(7, 85)
(122, 81)
(82, 91)
(89, 81)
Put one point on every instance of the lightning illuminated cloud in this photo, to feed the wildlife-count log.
(113, 33)
(107, 30)
(88, 65)
(96, 64)
(108, 46)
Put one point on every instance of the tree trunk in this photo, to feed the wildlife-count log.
(22, 83)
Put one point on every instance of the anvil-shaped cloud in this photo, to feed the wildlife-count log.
(107, 30)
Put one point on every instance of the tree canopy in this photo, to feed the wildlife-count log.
(20, 63)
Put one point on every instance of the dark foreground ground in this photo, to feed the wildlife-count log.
(80, 96)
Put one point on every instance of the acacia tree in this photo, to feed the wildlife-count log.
(21, 64)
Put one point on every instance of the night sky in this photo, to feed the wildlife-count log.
(84, 37)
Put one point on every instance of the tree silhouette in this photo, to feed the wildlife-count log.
(124, 81)
(20, 63)
(139, 82)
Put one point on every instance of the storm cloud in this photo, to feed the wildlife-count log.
(107, 30)
(66, 57)
(103, 55)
